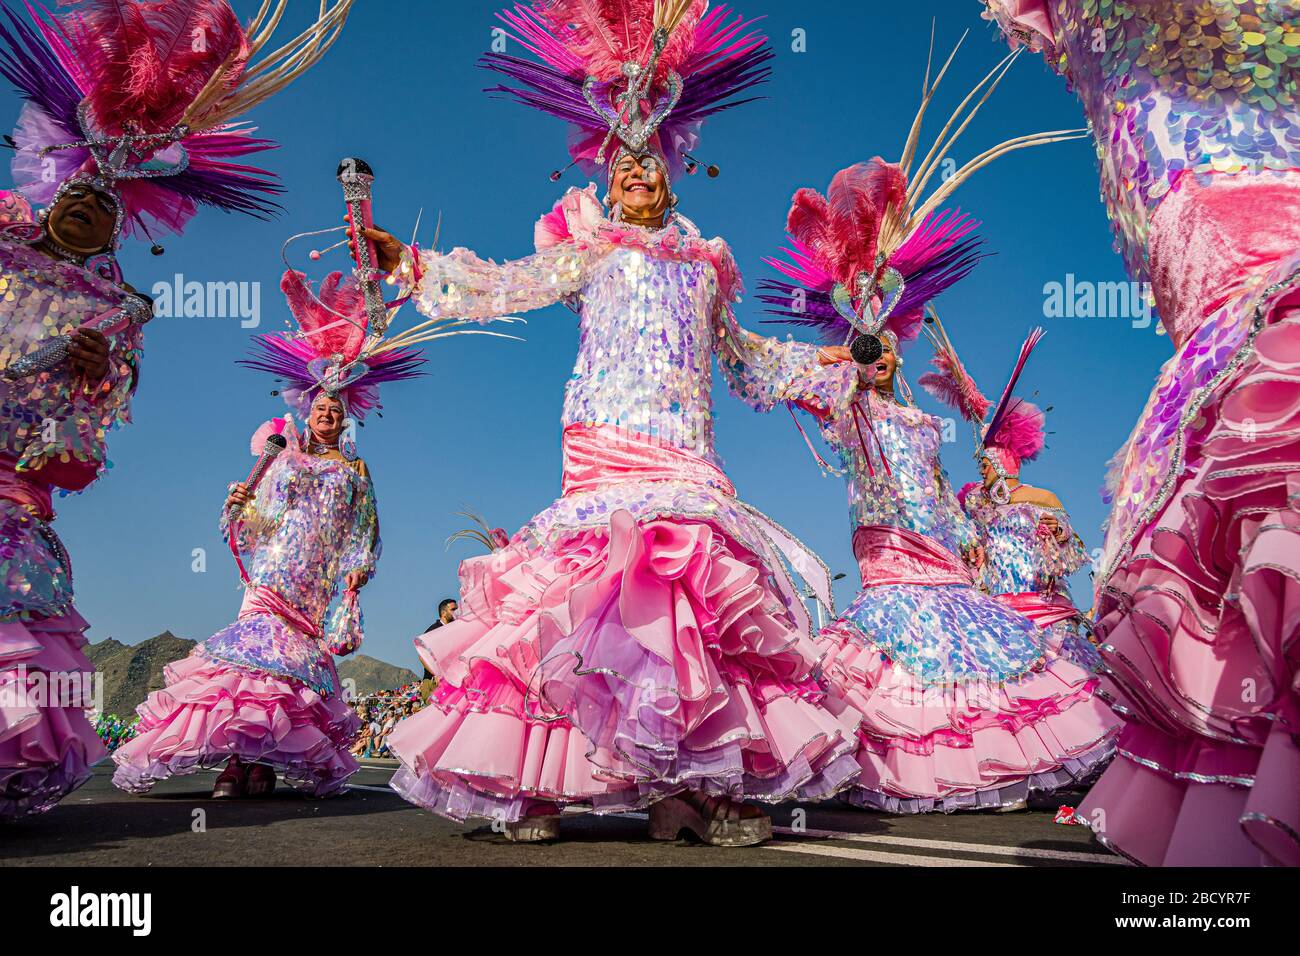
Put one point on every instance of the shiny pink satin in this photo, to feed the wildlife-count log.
(897, 556)
(23, 491)
(599, 455)
(259, 600)
(1211, 243)
(1042, 609)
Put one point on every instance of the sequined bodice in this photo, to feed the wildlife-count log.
(312, 521)
(645, 349)
(54, 415)
(1017, 563)
(1172, 86)
(890, 455)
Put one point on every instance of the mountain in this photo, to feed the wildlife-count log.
(132, 671)
(370, 675)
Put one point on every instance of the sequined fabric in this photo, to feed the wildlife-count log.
(266, 643)
(653, 312)
(1195, 87)
(54, 417)
(312, 521)
(890, 456)
(37, 581)
(1020, 560)
(945, 635)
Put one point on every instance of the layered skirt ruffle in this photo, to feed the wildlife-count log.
(933, 742)
(47, 744)
(212, 710)
(1199, 634)
(618, 666)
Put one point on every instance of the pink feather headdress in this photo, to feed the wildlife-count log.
(637, 75)
(139, 98)
(332, 351)
(1020, 436)
(866, 257)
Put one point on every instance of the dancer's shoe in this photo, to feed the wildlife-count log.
(232, 783)
(261, 780)
(716, 821)
(540, 823)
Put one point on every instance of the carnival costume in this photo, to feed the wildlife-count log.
(640, 636)
(265, 690)
(123, 102)
(1193, 108)
(961, 704)
(1027, 564)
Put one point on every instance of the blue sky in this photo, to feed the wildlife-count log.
(400, 89)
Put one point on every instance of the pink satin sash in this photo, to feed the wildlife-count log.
(260, 600)
(1043, 610)
(23, 491)
(599, 455)
(897, 556)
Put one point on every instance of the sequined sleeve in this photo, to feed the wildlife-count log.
(459, 284)
(761, 372)
(363, 546)
(825, 391)
(1070, 556)
(87, 412)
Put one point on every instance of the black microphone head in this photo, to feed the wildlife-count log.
(352, 166)
(274, 445)
(866, 349)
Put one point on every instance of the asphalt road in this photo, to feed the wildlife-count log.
(178, 825)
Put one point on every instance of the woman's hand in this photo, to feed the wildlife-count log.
(832, 354)
(355, 580)
(239, 496)
(1053, 528)
(388, 249)
(88, 354)
(974, 555)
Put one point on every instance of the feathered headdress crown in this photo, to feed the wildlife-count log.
(646, 73)
(332, 350)
(139, 98)
(867, 256)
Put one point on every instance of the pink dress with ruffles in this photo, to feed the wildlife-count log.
(640, 635)
(1193, 108)
(264, 688)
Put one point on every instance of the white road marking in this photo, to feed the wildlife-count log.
(362, 786)
(875, 856)
(991, 849)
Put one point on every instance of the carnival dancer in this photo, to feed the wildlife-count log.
(1030, 546)
(262, 695)
(639, 642)
(1193, 108)
(123, 131)
(960, 701)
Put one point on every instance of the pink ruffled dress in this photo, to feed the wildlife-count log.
(53, 433)
(1193, 107)
(265, 688)
(641, 635)
(961, 702)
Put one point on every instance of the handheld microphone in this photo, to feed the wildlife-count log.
(356, 177)
(274, 445)
(53, 353)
